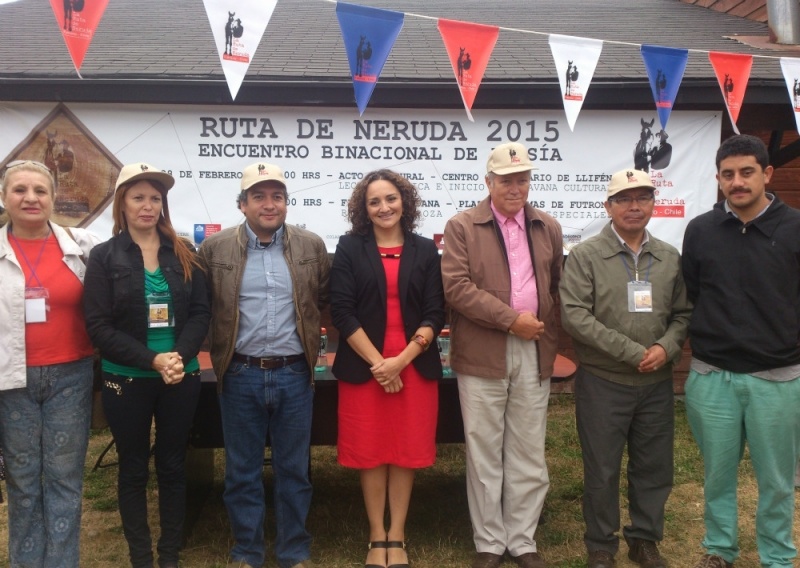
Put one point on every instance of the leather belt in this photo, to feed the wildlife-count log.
(267, 363)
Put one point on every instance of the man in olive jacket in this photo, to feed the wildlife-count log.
(500, 269)
(269, 282)
(624, 303)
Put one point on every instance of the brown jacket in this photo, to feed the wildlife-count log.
(224, 255)
(477, 286)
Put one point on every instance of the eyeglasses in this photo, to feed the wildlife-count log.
(627, 201)
(16, 163)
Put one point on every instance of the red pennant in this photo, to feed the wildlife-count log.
(78, 19)
(733, 72)
(469, 46)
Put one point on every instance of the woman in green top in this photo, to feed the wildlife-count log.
(148, 312)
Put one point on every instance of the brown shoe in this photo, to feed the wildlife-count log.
(487, 560)
(713, 561)
(600, 559)
(644, 553)
(530, 560)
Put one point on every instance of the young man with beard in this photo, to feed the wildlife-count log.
(741, 261)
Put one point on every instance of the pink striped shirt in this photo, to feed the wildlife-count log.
(524, 294)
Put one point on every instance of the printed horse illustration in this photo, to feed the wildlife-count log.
(572, 75)
(49, 159)
(728, 84)
(661, 84)
(642, 152)
(229, 34)
(796, 91)
(661, 156)
(464, 63)
(68, 15)
(360, 55)
(363, 53)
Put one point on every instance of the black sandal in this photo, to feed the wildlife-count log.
(376, 544)
(396, 544)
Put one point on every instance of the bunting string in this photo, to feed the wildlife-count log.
(369, 35)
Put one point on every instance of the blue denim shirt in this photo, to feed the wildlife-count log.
(267, 326)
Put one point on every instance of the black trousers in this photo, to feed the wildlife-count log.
(609, 416)
(131, 404)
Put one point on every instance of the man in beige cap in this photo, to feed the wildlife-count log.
(501, 267)
(624, 303)
(269, 282)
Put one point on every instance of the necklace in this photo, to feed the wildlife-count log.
(390, 255)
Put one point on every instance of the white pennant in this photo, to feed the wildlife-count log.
(576, 59)
(238, 26)
(791, 73)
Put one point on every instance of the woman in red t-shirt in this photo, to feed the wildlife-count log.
(45, 370)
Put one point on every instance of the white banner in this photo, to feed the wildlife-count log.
(238, 26)
(576, 59)
(791, 74)
(325, 151)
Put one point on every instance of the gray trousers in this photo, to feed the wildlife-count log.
(610, 415)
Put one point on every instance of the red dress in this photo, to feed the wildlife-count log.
(377, 428)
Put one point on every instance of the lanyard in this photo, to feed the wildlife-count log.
(28, 262)
(636, 268)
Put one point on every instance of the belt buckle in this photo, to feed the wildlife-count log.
(267, 363)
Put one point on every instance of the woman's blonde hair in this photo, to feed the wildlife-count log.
(24, 166)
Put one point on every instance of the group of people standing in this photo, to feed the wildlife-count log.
(147, 301)
(629, 301)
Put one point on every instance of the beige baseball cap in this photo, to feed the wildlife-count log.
(509, 158)
(261, 171)
(139, 171)
(629, 179)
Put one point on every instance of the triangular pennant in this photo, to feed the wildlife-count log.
(576, 59)
(238, 27)
(78, 20)
(665, 67)
(368, 34)
(791, 73)
(733, 72)
(469, 46)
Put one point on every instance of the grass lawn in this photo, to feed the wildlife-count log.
(439, 533)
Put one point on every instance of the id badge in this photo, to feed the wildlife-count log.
(159, 311)
(640, 297)
(37, 305)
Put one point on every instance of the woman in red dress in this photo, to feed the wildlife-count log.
(388, 305)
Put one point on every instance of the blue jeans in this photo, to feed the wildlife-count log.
(44, 431)
(725, 410)
(255, 404)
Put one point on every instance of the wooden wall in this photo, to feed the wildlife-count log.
(751, 9)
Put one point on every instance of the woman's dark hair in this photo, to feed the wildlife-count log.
(357, 206)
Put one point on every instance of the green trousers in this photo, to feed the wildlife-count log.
(725, 411)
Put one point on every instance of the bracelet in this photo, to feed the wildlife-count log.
(421, 341)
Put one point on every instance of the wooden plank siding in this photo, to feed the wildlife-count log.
(751, 9)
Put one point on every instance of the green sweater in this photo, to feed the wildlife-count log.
(609, 340)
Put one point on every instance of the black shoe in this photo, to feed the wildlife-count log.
(487, 560)
(396, 544)
(644, 553)
(600, 559)
(376, 544)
